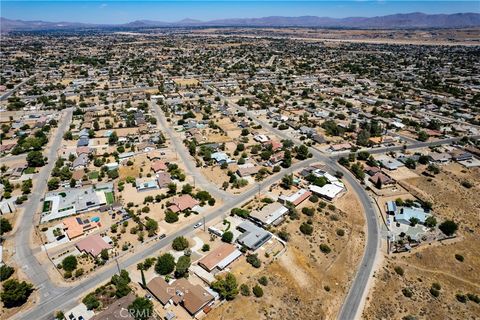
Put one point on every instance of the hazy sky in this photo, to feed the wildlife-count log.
(126, 11)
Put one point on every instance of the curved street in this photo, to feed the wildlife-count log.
(53, 297)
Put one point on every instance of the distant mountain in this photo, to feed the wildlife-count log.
(396, 21)
(7, 25)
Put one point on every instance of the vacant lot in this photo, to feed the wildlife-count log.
(436, 263)
(305, 283)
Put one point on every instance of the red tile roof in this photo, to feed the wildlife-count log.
(93, 244)
(183, 202)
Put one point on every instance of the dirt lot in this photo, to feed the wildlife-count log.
(300, 278)
(437, 262)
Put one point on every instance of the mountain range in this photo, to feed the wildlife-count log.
(414, 20)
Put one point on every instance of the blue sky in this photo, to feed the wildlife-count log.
(110, 11)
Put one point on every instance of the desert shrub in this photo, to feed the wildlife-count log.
(257, 291)
(399, 270)
(254, 260)
(461, 298)
(263, 280)
(325, 248)
(245, 290)
(407, 292)
(307, 229)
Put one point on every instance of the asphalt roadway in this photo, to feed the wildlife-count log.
(64, 298)
(23, 252)
(353, 302)
(53, 297)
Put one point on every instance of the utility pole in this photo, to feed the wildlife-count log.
(204, 227)
(118, 266)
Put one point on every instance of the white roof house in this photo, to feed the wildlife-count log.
(329, 191)
(269, 214)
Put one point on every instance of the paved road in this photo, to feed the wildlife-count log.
(53, 298)
(23, 252)
(190, 165)
(62, 298)
(65, 298)
(415, 145)
(18, 86)
(353, 301)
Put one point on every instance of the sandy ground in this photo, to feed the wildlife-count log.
(297, 280)
(435, 262)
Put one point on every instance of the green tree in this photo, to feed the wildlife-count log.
(180, 243)
(448, 227)
(226, 287)
(422, 136)
(257, 291)
(172, 188)
(141, 309)
(121, 282)
(302, 152)
(35, 159)
(113, 138)
(69, 263)
(430, 222)
(53, 184)
(287, 181)
(165, 264)
(306, 228)
(151, 226)
(227, 236)
(91, 301)
(6, 272)
(171, 217)
(183, 264)
(187, 189)
(254, 260)
(245, 290)
(27, 186)
(15, 293)
(104, 254)
(5, 226)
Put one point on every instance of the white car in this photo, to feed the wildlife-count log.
(197, 225)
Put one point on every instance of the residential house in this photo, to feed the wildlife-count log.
(163, 179)
(406, 214)
(182, 203)
(340, 147)
(220, 258)
(252, 237)
(271, 214)
(440, 157)
(221, 158)
(247, 170)
(194, 298)
(295, 198)
(93, 245)
(118, 310)
(159, 166)
(75, 227)
(80, 162)
(146, 184)
(328, 191)
(381, 179)
(389, 163)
